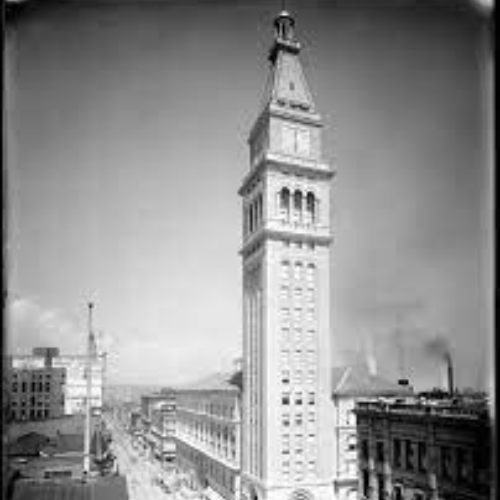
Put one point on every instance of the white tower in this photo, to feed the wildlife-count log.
(288, 416)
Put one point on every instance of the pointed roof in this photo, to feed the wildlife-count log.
(357, 381)
(286, 88)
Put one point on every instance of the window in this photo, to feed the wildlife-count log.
(285, 271)
(398, 492)
(366, 483)
(351, 443)
(380, 451)
(310, 275)
(285, 334)
(298, 399)
(311, 376)
(410, 463)
(310, 208)
(285, 376)
(364, 449)
(285, 399)
(422, 457)
(298, 419)
(285, 315)
(297, 335)
(380, 484)
(285, 420)
(397, 454)
(464, 465)
(311, 398)
(297, 315)
(310, 336)
(297, 376)
(297, 207)
(446, 462)
(285, 295)
(297, 271)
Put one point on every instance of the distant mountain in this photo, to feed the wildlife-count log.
(128, 392)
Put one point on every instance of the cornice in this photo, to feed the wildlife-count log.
(280, 163)
(263, 234)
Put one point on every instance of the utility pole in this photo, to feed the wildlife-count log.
(88, 400)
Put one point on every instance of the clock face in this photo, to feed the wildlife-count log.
(303, 142)
(296, 140)
(288, 139)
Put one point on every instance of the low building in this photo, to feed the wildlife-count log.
(424, 448)
(102, 488)
(208, 435)
(40, 457)
(351, 383)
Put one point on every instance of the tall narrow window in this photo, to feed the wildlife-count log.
(285, 204)
(310, 208)
(297, 206)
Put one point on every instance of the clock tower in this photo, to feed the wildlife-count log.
(287, 451)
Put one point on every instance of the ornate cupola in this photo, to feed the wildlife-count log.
(284, 36)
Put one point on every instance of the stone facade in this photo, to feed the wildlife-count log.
(424, 449)
(208, 436)
(287, 408)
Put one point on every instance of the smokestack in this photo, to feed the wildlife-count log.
(88, 400)
(451, 388)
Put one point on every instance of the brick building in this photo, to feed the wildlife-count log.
(35, 388)
(34, 368)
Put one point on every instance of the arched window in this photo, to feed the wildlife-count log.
(297, 206)
(310, 208)
(285, 204)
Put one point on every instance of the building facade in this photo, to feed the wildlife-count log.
(35, 392)
(424, 449)
(158, 421)
(287, 407)
(74, 367)
(208, 435)
(352, 383)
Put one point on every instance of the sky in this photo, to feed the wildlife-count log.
(126, 137)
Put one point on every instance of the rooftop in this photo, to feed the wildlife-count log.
(103, 488)
(357, 381)
(451, 407)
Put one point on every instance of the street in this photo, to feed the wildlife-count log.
(139, 470)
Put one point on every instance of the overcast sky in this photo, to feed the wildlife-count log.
(127, 129)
